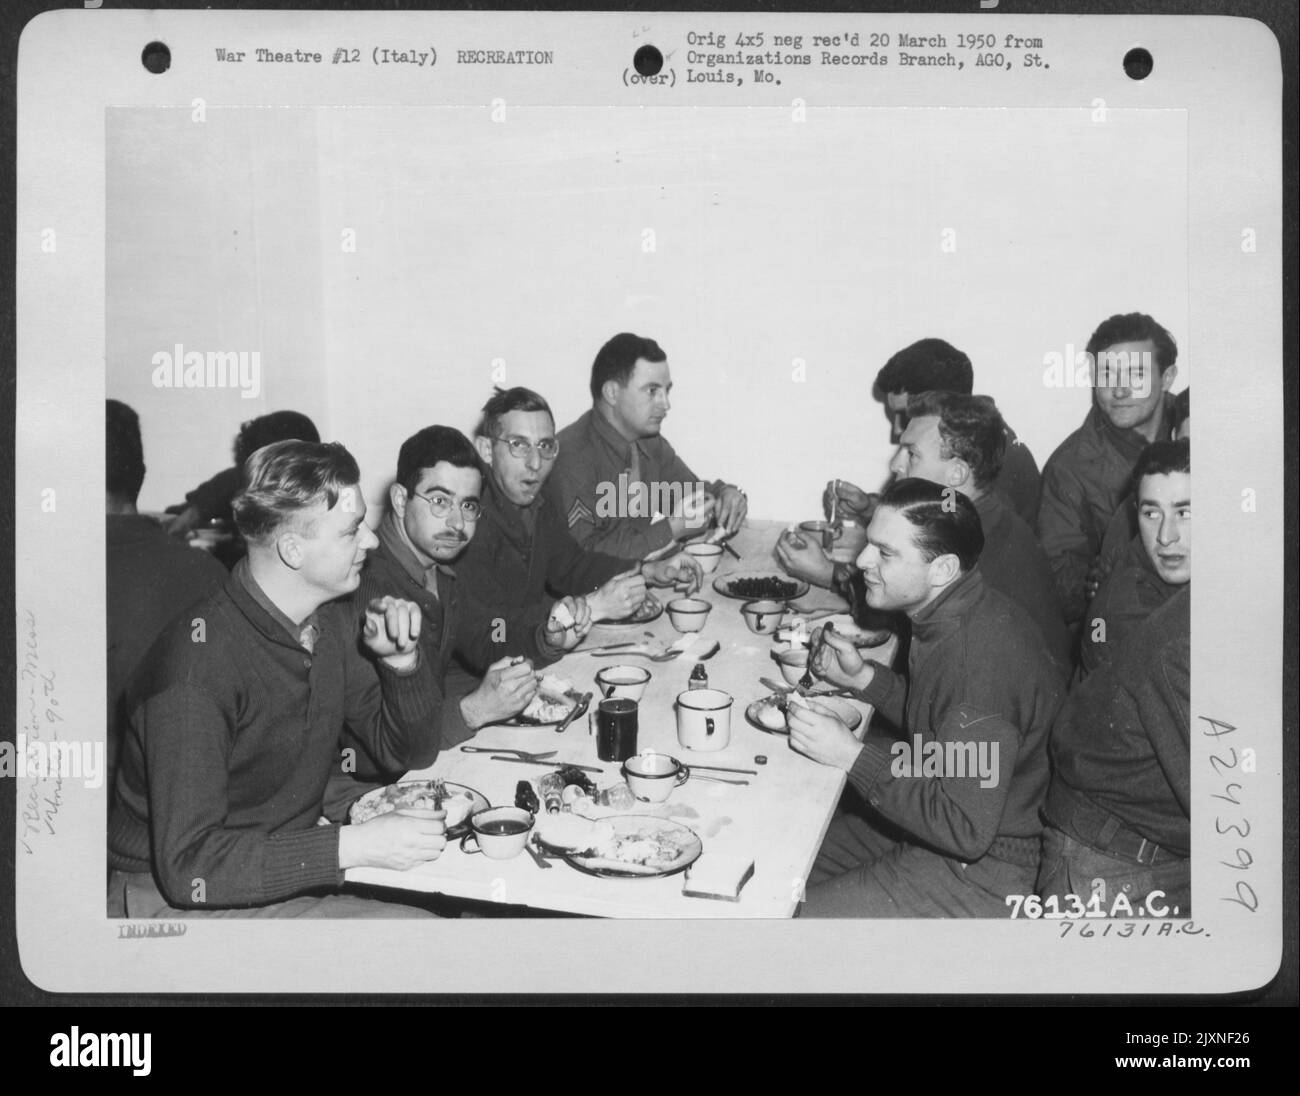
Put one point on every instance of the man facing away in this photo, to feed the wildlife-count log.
(235, 724)
(149, 576)
(948, 825)
(523, 553)
(620, 485)
(933, 365)
(434, 510)
(1158, 561)
(1085, 479)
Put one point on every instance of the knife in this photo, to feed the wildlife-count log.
(548, 764)
(583, 703)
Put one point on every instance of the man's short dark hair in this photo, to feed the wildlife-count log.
(930, 365)
(266, 429)
(284, 479)
(946, 521)
(1162, 458)
(505, 400)
(970, 427)
(433, 445)
(1182, 410)
(123, 451)
(1134, 327)
(617, 360)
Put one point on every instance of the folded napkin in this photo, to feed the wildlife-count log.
(718, 875)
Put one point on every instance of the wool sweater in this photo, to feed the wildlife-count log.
(1019, 482)
(977, 674)
(1130, 593)
(1122, 741)
(454, 622)
(512, 569)
(1083, 484)
(234, 734)
(1014, 564)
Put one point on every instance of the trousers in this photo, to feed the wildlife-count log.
(136, 895)
(867, 868)
(1071, 867)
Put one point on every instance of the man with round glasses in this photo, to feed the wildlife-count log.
(524, 555)
(434, 509)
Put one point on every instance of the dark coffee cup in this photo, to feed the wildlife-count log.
(616, 722)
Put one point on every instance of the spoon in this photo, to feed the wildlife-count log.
(538, 858)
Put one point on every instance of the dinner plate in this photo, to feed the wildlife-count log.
(633, 622)
(478, 802)
(687, 842)
(849, 714)
(519, 721)
(845, 626)
(723, 585)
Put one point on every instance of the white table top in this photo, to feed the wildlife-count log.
(778, 820)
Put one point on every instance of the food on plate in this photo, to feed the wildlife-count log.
(770, 712)
(553, 701)
(566, 832)
(420, 795)
(636, 846)
(649, 608)
(767, 587)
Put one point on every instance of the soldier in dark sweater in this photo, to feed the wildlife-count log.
(948, 825)
(1158, 562)
(1085, 480)
(235, 726)
(149, 578)
(1119, 807)
(932, 365)
(434, 512)
(523, 555)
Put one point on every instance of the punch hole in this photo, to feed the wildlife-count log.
(157, 58)
(648, 61)
(1138, 63)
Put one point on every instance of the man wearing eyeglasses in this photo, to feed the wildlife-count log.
(435, 506)
(524, 554)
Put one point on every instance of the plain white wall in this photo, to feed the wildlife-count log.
(524, 245)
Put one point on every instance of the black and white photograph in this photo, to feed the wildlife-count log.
(701, 495)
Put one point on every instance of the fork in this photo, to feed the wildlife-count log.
(523, 755)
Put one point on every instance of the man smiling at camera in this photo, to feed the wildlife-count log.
(937, 832)
(524, 554)
(235, 723)
(622, 488)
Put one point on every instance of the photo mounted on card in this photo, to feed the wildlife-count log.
(705, 498)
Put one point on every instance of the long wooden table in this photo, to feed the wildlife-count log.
(778, 820)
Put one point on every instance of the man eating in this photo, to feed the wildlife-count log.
(434, 510)
(948, 821)
(620, 485)
(235, 723)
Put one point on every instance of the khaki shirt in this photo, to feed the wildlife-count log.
(609, 490)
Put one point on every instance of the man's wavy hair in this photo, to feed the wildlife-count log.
(286, 479)
(1134, 327)
(946, 521)
(970, 427)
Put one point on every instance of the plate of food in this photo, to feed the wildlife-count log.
(416, 796)
(625, 846)
(842, 624)
(555, 699)
(769, 713)
(760, 585)
(650, 609)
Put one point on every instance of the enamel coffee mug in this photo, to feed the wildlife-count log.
(704, 719)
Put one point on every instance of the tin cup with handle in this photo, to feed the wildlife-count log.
(704, 719)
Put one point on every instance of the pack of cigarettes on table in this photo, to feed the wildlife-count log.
(717, 875)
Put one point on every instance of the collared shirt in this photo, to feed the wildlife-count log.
(393, 538)
(609, 489)
(305, 634)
